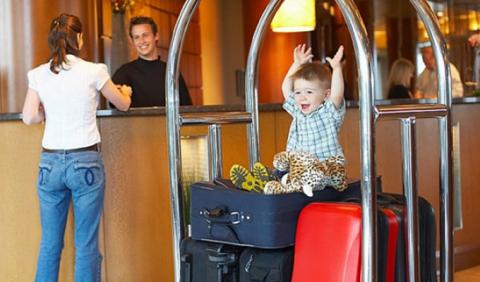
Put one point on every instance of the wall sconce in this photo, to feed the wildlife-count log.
(473, 20)
(295, 16)
(120, 6)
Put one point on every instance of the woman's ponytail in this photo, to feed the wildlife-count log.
(63, 40)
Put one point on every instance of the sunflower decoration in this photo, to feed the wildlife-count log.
(120, 6)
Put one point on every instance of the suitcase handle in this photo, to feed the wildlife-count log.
(382, 199)
(220, 217)
(220, 214)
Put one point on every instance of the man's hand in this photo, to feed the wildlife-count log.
(336, 61)
(124, 89)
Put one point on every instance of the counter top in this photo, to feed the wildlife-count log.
(155, 111)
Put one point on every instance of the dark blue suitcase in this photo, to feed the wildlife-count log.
(219, 212)
(209, 262)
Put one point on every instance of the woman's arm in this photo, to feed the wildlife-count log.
(119, 97)
(32, 108)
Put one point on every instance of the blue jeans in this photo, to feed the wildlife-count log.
(78, 176)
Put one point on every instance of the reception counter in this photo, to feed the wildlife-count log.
(136, 229)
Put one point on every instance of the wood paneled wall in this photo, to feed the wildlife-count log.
(165, 13)
(276, 53)
(24, 27)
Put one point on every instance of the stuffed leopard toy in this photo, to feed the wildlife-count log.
(306, 173)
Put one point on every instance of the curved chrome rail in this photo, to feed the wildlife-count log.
(174, 120)
(363, 57)
(251, 79)
(173, 127)
(445, 125)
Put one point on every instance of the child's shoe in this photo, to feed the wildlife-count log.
(241, 177)
(244, 179)
(260, 172)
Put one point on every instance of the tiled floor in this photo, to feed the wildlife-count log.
(468, 275)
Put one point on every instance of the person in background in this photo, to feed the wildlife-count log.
(146, 74)
(400, 78)
(426, 84)
(64, 93)
(474, 40)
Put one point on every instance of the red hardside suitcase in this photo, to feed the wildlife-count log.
(327, 243)
(333, 254)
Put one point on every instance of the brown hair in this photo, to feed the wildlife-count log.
(62, 40)
(401, 73)
(142, 20)
(314, 71)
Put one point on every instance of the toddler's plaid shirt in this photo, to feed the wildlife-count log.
(317, 132)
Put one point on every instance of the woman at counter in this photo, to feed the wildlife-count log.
(64, 93)
(399, 79)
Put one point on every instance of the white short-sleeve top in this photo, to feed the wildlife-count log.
(70, 100)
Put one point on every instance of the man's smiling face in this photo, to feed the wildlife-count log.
(145, 41)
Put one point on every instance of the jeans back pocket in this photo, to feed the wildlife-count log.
(44, 170)
(88, 174)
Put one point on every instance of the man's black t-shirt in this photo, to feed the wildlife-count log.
(147, 79)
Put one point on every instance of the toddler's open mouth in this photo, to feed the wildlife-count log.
(305, 106)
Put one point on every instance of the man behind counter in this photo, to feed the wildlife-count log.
(426, 85)
(146, 75)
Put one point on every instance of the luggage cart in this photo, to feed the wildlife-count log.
(369, 114)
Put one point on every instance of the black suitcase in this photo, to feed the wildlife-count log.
(427, 236)
(219, 212)
(208, 262)
(260, 265)
(427, 229)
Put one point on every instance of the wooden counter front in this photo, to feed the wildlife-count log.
(136, 228)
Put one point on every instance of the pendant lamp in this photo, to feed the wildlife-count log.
(295, 16)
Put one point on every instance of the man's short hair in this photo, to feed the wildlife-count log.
(314, 71)
(142, 20)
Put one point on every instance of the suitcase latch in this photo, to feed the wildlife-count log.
(235, 217)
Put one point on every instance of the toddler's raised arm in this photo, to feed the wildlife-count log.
(337, 88)
(301, 55)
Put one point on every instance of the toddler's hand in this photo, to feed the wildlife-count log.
(336, 61)
(302, 56)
